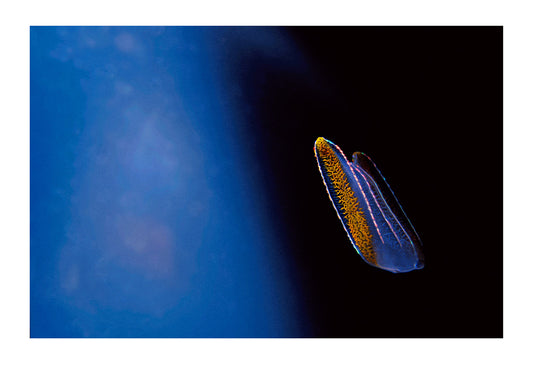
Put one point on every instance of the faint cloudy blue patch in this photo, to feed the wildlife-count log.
(144, 245)
(123, 88)
(142, 182)
(90, 42)
(125, 42)
(70, 278)
(62, 53)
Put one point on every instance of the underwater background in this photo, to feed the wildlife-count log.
(174, 191)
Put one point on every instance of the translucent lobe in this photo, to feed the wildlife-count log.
(388, 201)
(371, 215)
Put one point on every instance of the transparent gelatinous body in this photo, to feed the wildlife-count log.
(368, 209)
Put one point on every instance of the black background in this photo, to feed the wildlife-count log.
(425, 103)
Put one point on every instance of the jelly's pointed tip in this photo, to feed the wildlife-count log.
(322, 141)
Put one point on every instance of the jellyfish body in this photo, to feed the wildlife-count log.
(375, 222)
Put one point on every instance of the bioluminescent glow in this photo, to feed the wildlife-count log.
(370, 213)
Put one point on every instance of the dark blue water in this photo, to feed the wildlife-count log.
(147, 218)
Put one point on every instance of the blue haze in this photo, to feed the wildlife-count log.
(146, 219)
